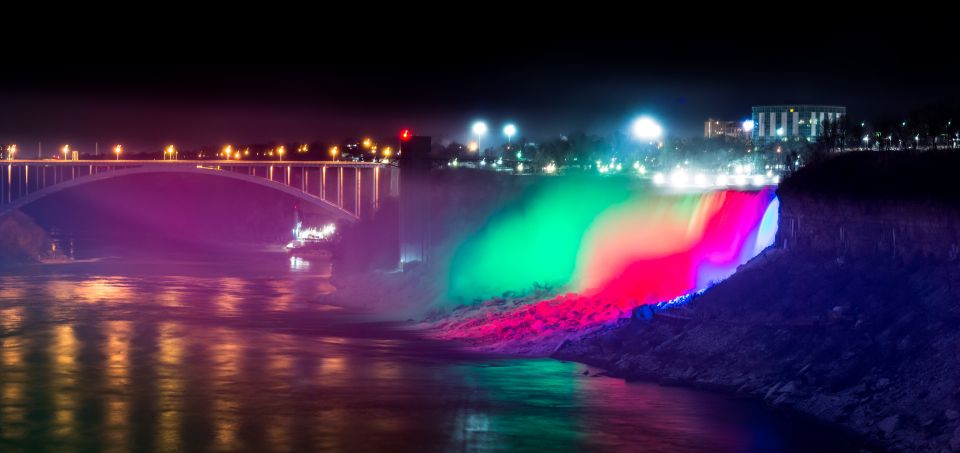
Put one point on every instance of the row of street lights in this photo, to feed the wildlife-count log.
(644, 128)
(480, 129)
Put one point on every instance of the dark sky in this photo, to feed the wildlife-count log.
(549, 80)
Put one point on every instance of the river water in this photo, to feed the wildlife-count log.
(240, 352)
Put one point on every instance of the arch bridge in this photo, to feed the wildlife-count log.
(348, 191)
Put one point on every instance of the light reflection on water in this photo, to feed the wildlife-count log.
(180, 356)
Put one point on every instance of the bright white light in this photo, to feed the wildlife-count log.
(646, 128)
(700, 180)
(759, 180)
(679, 178)
(740, 180)
(775, 179)
(550, 169)
(508, 130)
(659, 179)
(748, 125)
(479, 128)
(317, 234)
(780, 132)
(722, 180)
(520, 167)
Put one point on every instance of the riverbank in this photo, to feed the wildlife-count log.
(23, 241)
(851, 318)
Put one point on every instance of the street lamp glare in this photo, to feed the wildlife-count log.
(479, 128)
(646, 128)
(748, 125)
(509, 130)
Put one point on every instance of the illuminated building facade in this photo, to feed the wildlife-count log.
(792, 122)
(718, 128)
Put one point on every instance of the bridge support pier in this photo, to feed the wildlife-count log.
(415, 218)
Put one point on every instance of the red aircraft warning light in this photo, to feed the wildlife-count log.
(405, 134)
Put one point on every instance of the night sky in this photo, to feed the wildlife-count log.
(328, 87)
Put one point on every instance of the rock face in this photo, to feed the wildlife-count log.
(21, 240)
(852, 317)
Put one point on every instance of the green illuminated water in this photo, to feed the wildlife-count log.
(534, 240)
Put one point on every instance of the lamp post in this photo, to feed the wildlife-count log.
(509, 130)
(118, 149)
(479, 128)
(66, 150)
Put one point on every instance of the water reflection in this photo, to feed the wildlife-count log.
(101, 358)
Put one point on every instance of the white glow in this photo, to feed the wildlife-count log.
(748, 125)
(479, 128)
(646, 128)
(780, 132)
(679, 178)
(700, 180)
(550, 169)
(508, 130)
(722, 180)
(740, 180)
(759, 180)
(317, 234)
(659, 179)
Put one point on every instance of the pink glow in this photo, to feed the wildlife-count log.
(642, 252)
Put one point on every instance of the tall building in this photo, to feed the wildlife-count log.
(718, 128)
(773, 123)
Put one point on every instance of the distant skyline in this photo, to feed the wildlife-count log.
(595, 83)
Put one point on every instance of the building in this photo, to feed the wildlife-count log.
(717, 128)
(792, 122)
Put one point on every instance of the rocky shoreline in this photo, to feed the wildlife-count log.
(851, 318)
(23, 241)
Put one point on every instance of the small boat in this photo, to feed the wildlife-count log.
(312, 242)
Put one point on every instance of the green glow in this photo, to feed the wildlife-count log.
(536, 239)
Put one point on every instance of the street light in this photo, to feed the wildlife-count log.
(280, 151)
(228, 151)
(333, 152)
(66, 150)
(118, 149)
(646, 128)
(748, 126)
(171, 151)
(479, 128)
(11, 150)
(509, 130)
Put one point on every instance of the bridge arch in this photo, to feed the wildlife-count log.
(338, 213)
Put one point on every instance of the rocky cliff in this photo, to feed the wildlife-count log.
(852, 317)
(22, 241)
